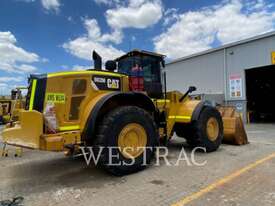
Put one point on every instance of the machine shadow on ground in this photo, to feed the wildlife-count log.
(71, 172)
(38, 172)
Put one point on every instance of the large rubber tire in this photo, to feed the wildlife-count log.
(196, 133)
(109, 130)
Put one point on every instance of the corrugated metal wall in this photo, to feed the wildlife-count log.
(211, 72)
(207, 71)
(246, 56)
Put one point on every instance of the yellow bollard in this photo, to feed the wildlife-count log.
(4, 153)
(18, 152)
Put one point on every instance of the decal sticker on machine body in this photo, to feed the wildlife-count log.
(55, 98)
(106, 82)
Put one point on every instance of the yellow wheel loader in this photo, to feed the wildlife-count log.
(5, 108)
(9, 108)
(18, 102)
(124, 106)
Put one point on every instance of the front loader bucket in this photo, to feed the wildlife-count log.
(234, 131)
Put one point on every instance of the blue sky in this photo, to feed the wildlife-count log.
(39, 36)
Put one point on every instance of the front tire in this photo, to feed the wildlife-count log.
(123, 128)
(206, 132)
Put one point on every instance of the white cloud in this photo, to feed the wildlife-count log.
(65, 67)
(102, 1)
(107, 2)
(122, 3)
(137, 3)
(14, 58)
(227, 22)
(4, 89)
(76, 67)
(83, 46)
(51, 4)
(27, 68)
(137, 14)
(124, 14)
(170, 16)
(8, 83)
(80, 67)
(45, 60)
(70, 19)
(10, 79)
(94, 32)
(27, 1)
(3, 85)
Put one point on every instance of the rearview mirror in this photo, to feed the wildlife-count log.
(192, 89)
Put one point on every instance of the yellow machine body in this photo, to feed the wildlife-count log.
(177, 112)
(79, 101)
(74, 107)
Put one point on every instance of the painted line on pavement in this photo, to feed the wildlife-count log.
(222, 181)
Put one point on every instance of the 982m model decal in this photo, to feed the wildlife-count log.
(107, 82)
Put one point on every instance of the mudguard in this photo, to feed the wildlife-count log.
(115, 99)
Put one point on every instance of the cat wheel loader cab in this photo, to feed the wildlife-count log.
(9, 108)
(5, 110)
(129, 109)
(18, 102)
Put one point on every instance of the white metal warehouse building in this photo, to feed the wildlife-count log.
(240, 74)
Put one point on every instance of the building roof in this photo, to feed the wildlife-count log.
(245, 41)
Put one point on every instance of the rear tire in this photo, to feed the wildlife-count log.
(206, 132)
(119, 127)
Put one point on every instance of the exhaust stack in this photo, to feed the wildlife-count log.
(97, 61)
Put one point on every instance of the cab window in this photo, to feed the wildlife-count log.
(151, 69)
(149, 65)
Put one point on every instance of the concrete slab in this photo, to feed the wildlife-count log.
(45, 178)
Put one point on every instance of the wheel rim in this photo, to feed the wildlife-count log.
(212, 129)
(130, 140)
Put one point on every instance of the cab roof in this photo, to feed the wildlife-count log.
(136, 52)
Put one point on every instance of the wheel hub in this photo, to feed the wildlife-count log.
(212, 129)
(130, 140)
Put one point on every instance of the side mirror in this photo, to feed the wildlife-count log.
(110, 65)
(163, 63)
(192, 89)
